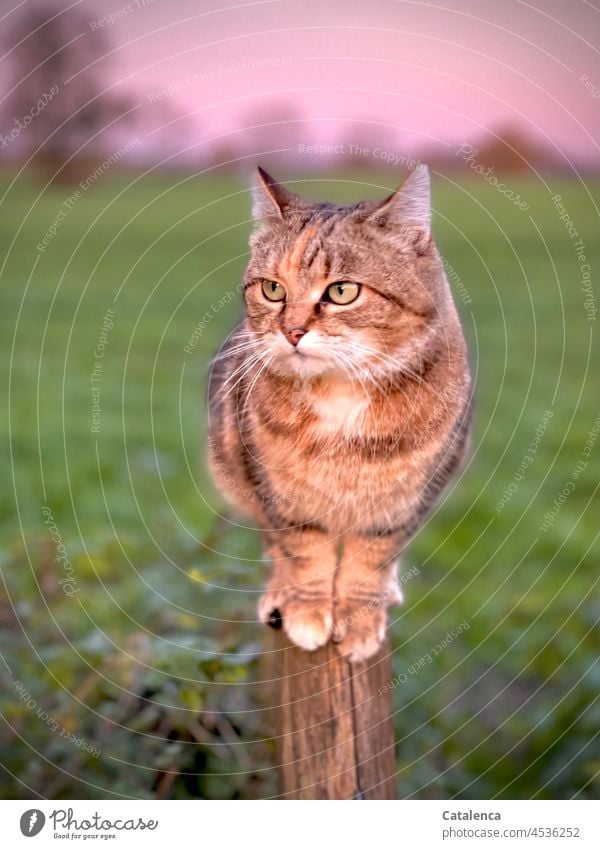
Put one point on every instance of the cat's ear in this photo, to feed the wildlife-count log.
(269, 198)
(410, 205)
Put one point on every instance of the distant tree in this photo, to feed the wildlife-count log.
(270, 125)
(370, 144)
(512, 149)
(56, 102)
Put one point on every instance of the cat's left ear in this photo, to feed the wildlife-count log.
(410, 205)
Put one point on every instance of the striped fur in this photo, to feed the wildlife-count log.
(339, 447)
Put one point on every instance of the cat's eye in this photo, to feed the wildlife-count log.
(342, 292)
(273, 291)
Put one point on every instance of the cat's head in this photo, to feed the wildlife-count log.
(351, 289)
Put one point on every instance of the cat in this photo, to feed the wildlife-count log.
(340, 406)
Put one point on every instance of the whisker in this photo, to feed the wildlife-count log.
(387, 360)
(245, 367)
(355, 373)
(253, 384)
(245, 346)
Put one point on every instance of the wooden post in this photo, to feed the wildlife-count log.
(334, 724)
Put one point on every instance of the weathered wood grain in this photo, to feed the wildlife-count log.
(333, 723)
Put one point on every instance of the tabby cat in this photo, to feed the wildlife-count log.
(340, 405)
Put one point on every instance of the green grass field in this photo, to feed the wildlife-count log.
(129, 654)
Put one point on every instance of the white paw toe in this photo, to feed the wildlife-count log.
(309, 632)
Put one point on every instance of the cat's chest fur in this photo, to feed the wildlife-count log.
(330, 451)
(341, 410)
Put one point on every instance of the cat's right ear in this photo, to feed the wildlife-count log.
(269, 198)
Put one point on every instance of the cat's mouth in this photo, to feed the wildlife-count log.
(300, 358)
(308, 356)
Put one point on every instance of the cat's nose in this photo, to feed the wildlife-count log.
(294, 334)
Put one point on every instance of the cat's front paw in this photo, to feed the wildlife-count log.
(359, 628)
(308, 624)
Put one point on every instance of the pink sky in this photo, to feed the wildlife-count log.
(436, 73)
